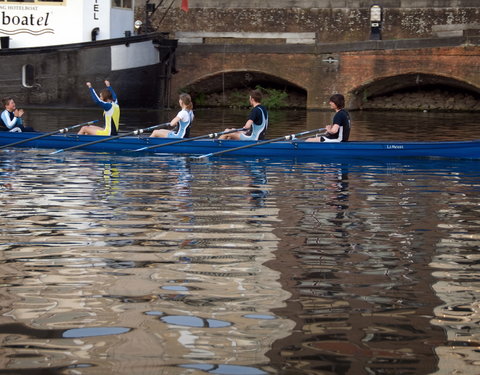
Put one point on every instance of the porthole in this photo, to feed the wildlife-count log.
(28, 75)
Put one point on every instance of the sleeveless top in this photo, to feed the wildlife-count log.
(258, 130)
(182, 129)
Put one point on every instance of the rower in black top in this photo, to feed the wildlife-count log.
(339, 130)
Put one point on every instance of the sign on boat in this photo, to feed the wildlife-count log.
(49, 49)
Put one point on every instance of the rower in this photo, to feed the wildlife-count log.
(257, 121)
(339, 130)
(181, 123)
(109, 102)
(11, 118)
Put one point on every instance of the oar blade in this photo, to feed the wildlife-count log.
(200, 157)
(140, 149)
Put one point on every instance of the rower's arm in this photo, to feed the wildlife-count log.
(248, 124)
(332, 129)
(114, 95)
(10, 123)
(105, 105)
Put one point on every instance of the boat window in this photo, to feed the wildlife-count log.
(28, 75)
(122, 3)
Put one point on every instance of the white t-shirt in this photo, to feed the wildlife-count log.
(184, 115)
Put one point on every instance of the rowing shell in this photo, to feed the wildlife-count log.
(283, 149)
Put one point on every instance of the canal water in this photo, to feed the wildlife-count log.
(113, 264)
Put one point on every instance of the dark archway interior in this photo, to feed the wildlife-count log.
(228, 89)
(417, 91)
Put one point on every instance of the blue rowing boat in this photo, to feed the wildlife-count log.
(283, 149)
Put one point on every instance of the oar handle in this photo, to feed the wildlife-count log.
(211, 135)
(141, 131)
(65, 130)
(135, 132)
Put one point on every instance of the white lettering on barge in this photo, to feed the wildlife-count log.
(394, 147)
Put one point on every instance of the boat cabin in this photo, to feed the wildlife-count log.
(39, 23)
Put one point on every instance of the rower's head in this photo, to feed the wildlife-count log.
(338, 100)
(186, 100)
(255, 96)
(9, 103)
(106, 95)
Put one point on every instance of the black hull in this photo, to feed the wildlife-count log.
(60, 73)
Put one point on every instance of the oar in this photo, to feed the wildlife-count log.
(284, 138)
(211, 135)
(64, 130)
(135, 132)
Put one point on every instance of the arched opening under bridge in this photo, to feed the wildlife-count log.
(417, 91)
(231, 89)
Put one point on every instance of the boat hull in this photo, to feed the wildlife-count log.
(284, 149)
(139, 68)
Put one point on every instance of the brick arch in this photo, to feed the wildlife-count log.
(388, 85)
(231, 78)
(321, 72)
(243, 79)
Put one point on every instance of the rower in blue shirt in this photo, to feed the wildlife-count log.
(11, 118)
(111, 111)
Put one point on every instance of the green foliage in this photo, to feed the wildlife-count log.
(273, 98)
(239, 99)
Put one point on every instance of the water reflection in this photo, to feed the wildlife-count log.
(225, 369)
(457, 284)
(111, 264)
(357, 247)
(125, 265)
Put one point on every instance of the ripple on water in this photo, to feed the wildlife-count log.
(94, 331)
(225, 369)
(193, 321)
(298, 266)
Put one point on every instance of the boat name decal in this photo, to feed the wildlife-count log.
(394, 147)
(30, 20)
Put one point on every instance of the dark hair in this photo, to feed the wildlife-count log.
(256, 95)
(106, 94)
(187, 100)
(339, 100)
(6, 100)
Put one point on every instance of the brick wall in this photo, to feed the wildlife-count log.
(332, 20)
